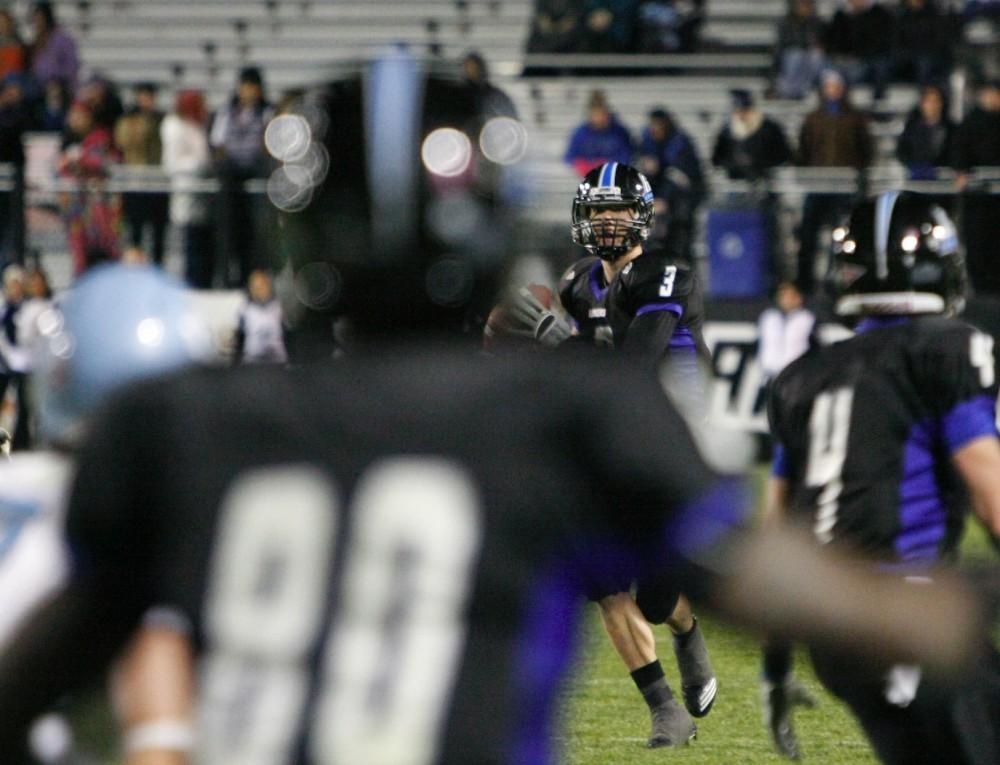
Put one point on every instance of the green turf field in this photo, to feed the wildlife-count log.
(605, 721)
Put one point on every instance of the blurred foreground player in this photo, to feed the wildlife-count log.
(380, 560)
(118, 324)
(877, 435)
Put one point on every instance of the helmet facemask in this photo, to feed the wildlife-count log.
(605, 231)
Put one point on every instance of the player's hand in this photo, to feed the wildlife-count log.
(546, 327)
(779, 699)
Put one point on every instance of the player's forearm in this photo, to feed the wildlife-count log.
(778, 581)
(979, 465)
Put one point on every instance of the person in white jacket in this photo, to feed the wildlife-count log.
(785, 330)
(187, 159)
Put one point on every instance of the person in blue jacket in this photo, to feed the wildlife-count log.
(602, 138)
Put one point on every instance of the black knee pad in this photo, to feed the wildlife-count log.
(657, 599)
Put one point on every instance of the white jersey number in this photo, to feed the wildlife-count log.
(829, 427)
(389, 660)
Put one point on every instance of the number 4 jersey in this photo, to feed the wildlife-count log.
(381, 561)
(866, 428)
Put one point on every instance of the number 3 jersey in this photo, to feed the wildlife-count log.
(652, 299)
(381, 561)
(866, 429)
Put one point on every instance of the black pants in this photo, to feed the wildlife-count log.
(953, 726)
(142, 209)
(199, 255)
(980, 215)
(817, 210)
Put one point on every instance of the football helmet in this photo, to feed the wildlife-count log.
(117, 324)
(898, 253)
(407, 233)
(606, 190)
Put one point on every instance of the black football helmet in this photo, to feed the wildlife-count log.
(408, 232)
(612, 186)
(897, 254)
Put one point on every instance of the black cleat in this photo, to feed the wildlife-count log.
(698, 681)
(672, 726)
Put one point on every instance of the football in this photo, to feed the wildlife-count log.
(504, 333)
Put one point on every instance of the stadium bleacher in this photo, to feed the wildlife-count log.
(203, 44)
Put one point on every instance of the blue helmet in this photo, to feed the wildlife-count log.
(116, 325)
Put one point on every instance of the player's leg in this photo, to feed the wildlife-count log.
(662, 603)
(915, 728)
(633, 639)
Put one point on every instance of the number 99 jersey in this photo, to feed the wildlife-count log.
(382, 560)
(866, 429)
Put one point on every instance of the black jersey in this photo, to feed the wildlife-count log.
(866, 429)
(381, 561)
(655, 307)
(582, 290)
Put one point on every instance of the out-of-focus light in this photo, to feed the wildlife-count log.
(150, 332)
(290, 188)
(839, 233)
(850, 246)
(449, 282)
(50, 322)
(455, 217)
(446, 152)
(287, 137)
(940, 232)
(909, 243)
(318, 285)
(316, 161)
(61, 346)
(503, 140)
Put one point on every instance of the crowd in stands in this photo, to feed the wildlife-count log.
(868, 41)
(615, 26)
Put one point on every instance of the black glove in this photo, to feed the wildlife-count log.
(779, 699)
(546, 327)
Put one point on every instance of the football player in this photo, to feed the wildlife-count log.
(876, 437)
(381, 560)
(621, 291)
(118, 324)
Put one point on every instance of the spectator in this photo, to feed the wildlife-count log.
(926, 142)
(16, 119)
(53, 52)
(602, 138)
(835, 134)
(609, 25)
(186, 158)
(492, 101)
(138, 137)
(924, 44)
(668, 157)
(15, 354)
(860, 41)
(799, 56)
(101, 95)
(557, 27)
(54, 106)
(669, 26)
(12, 51)
(785, 330)
(237, 135)
(750, 144)
(92, 216)
(260, 334)
(978, 145)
